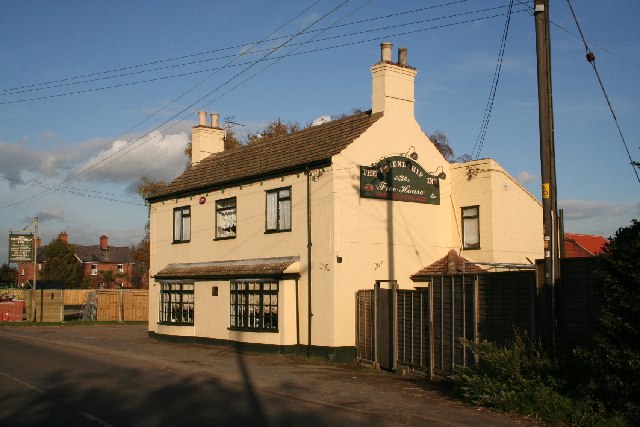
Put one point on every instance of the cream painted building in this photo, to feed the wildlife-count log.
(266, 245)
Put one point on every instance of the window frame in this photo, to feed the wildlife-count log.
(94, 269)
(221, 209)
(185, 292)
(120, 268)
(182, 210)
(278, 228)
(465, 216)
(240, 313)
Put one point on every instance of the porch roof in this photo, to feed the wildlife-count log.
(244, 268)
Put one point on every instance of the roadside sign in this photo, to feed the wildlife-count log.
(21, 247)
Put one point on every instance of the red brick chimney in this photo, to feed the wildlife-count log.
(38, 242)
(104, 242)
(63, 236)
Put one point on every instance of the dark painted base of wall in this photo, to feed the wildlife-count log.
(334, 354)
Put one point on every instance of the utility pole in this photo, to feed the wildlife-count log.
(547, 156)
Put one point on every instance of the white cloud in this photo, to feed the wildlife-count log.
(47, 135)
(17, 159)
(525, 177)
(156, 156)
(52, 214)
(597, 217)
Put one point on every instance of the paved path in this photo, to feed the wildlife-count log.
(271, 385)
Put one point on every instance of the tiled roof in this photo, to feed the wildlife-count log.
(93, 253)
(256, 267)
(582, 245)
(113, 254)
(451, 263)
(271, 157)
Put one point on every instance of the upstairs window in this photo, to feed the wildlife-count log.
(279, 210)
(226, 218)
(120, 268)
(94, 269)
(182, 224)
(471, 227)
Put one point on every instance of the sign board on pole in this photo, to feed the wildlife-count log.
(21, 247)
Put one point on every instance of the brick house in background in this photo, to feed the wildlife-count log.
(102, 266)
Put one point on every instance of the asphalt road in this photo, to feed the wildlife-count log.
(117, 376)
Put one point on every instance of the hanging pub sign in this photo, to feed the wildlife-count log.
(399, 178)
(21, 247)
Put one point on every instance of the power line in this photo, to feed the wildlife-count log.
(161, 61)
(604, 49)
(76, 191)
(131, 145)
(477, 148)
(119, 85)
(591, 58)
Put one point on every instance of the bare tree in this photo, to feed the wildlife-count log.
(441, 141)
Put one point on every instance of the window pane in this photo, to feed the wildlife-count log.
(177, 225)
(186, 231)
(285, 215)
(254, 305)
(272, 211)
(471, 232)
(177, 302)
(226, 218)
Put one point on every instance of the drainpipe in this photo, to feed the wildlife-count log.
(309, 244)
(297, 321)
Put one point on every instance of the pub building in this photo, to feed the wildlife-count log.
(267, 244)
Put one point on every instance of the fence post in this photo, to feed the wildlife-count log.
(376, 297)
(394, 314)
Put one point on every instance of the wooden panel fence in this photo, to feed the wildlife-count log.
(431, 322)
(124, 305)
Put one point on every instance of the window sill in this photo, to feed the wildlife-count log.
(231, 328)
(277, 231)
(471, 248)
(224, 238)
(175, 324)
(178, 242)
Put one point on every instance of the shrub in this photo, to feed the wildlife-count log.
(521, 378)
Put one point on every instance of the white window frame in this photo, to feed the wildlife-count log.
(94, 269)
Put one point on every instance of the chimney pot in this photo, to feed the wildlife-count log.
(386, 49)
(202, 118)
(104, 242)
(402, 56)
(215, 120)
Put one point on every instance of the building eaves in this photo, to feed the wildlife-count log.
(312, 146)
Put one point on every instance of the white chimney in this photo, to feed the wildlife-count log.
(206, 140)
(393, 84)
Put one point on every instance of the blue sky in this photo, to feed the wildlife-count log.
(94, 95)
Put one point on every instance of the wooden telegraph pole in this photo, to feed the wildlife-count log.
(547, 158)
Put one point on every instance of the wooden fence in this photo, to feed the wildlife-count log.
(429, 324)
(123, 305)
